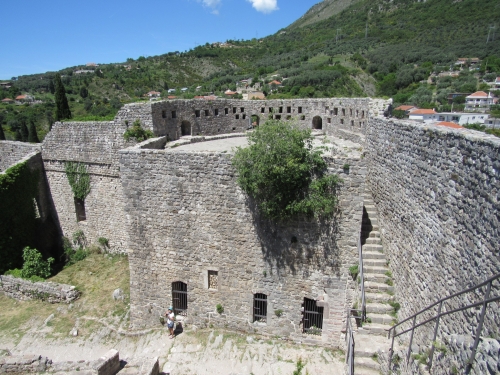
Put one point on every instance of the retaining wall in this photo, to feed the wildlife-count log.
(22, 289)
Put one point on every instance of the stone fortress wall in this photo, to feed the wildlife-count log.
(187, 217)
(96, 145)
(437, 194)
(11, 152)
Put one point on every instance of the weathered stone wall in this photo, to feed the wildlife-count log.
(21, 289)
(25, 364)
(206, 117)
(436, 191)
(187, 216)
(96, 145)
(11, 152)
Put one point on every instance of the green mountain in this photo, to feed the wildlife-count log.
(338, 48)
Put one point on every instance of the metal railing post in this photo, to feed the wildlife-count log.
(411, 339)
(362, 281)
(479, 328)
(391, 352)
(431, 354)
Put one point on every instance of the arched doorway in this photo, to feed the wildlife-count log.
(317, 123)
(185, 128)
(255, 120)
(179, 298)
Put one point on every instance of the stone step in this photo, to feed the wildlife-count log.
(375, 269)
(379, 262)
(369, 207)
(378, 308)
(370, 233)
(365, 371)
(369, 227)
(385, 319)
(373, 241)
(365, 363)
(372, 247)
(374, 329)
(372, 255)
(375, 277)
(371, 286)
(378, 297)
(370, 220)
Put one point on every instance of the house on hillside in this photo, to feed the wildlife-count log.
(184, 89)
(479, 101)
(425, 115)
(230, 93)
(153, 94)
(6, 85)
(7, 101)
(449, 125)
(20, 99)
(254, 95)
(406, 108)
(496, 85)
(170, 91)
(454, 95)
(470, 61)
(463, 118)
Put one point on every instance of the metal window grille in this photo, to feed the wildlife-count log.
(259, 307)
(312, 317)
(213, 280)
(179, 298)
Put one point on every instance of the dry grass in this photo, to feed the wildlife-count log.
(96, 277)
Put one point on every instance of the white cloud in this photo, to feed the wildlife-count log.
(265, 6)
(212, 4)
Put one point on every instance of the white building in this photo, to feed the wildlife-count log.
(425, 115)
(479, 101)
(462, 118)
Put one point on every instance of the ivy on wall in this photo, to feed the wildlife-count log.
(78, 178)
(18, 223)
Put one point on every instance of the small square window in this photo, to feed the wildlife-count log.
(174, 114)
(288, 117)
(277, 117)
(213, 280)
(329, 120)
(262, 110)
(300, 109)
(237, 117)
(197, 113)
(302, 117)
(242, 109)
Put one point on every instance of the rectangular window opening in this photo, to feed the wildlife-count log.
(342, 121)
(302, 117)
(242, 109)
(281, 110)
(327, 109)
(174, 114)
(262, 110)
(343, 111)
(226, 111)
(329, 120)
(312, 317)
(234, 109)
(288, 117)
(207, 112)
(277, 117)
(288, 109)
(335, 111)
(216, 112)
(300, 109)
(237, 117)
(197, 113)
(244, 116)
(213, 280)
(352, 122)
(80, 209)
(164, 114)
(179, 298)
(350, 112)
(260, 308)
(270, 109)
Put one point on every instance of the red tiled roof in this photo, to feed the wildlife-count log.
(424, 112)
(7, 100)
(275, 82)
(19, 97)
(405, 107)
(172, 97)
(229, 92)
(450, 125)
(479, 94)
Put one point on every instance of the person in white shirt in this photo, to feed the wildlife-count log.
(170, 321)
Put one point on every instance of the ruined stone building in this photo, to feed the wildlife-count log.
(195, 240)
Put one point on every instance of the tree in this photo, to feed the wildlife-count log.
(51, 86)
(33, 136)
(24, 130)
(2, 134)
(84, 92)
(18, 136)
(284, 174)
(62, 106)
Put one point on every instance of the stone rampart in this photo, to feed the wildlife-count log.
(436, 191)
(220, 116)
(187, 218)
(12, 152)
(25, 364)
(22, 289)
(96, 145)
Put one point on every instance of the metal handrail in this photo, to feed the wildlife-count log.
(349, 358)
(362, 281)
(484, 303)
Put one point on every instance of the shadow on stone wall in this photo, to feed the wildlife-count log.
(301, 246)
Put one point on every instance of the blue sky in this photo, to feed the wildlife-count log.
(40, 36)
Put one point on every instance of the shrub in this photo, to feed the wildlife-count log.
(34, 265)
(278, 312)
(137, 132)
(219, 308)
(284, 174)
(354, 270)
(103, 242)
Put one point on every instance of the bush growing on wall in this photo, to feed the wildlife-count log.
(137, 132)
(18, 189)
(78, 179)
(284, 174)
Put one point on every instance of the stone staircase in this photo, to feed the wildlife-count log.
(380, 311)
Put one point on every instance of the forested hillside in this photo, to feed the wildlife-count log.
(363, 47)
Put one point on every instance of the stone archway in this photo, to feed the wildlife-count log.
(255, 120)
(317, 123)
(185, 128)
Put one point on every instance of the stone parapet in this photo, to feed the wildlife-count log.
(12, 153)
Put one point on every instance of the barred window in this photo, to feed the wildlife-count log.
(259, 307)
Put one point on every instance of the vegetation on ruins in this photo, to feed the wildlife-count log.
(62, 107)
(137, 132)
(78, 179)
(284, 173)
(35, 268)
(18, 189)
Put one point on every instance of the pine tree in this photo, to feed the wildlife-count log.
(33, 136)
(62, 106)
(24, 131)
(52, 89)
(19, 137)
(2, 134)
